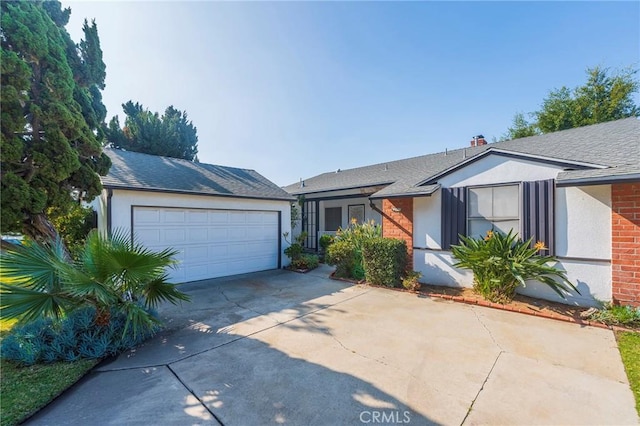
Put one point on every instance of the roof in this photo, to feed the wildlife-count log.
(137, 171)
(604, 151)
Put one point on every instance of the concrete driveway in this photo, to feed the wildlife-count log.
(285, 348)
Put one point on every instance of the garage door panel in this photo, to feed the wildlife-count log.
(236, 217)
(196, 216)
(198, 235)
(149, 236)
(175, 235)
(174, 216)
(216, 233)
(221, 217)
(237, 234)
(146, 216)
(197, 253)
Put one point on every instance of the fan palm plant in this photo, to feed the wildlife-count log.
(37, 281)
(502, 262)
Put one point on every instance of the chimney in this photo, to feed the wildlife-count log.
(478, 141)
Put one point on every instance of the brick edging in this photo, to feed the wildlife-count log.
(487, 304)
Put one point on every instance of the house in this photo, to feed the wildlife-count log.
(223, 220)
(576, 190)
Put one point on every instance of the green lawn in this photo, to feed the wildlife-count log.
(25, 390)
(629, 344)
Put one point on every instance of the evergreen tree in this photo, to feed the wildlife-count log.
(605, 96)
(169, 135)
(520, 128)
(52, 113)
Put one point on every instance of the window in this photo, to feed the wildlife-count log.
(473, 211)
(356, 212)
(332, 218)
(493, 208)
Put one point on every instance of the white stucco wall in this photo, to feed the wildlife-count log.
(123, 200)
(582, 221)
(494, 169)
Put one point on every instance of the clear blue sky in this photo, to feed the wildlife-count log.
(296, 89)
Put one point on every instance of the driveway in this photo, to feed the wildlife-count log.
(284, 348)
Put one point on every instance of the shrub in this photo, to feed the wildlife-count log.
(502, 262)
(295, 250)
(74, 224)
(342, 255)
(112, 273)
(76, 336)
(410, 281)
(348, 255)
(306, 261)
(385, 261)
(325, 241)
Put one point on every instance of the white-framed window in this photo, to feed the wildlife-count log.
(332, 218)
(493, 208)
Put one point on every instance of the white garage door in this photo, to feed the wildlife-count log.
(212, 243)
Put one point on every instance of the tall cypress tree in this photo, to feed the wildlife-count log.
(52, 114)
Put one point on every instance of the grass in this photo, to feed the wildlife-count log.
(25, 390)
(629, 344)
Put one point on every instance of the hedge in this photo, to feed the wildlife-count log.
(385, 261)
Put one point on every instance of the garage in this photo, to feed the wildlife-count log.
(221, 220)
(212, 243)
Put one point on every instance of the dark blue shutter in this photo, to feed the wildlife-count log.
(538, 213)
(454, 215)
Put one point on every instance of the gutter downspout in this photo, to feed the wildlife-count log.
(374, 207)
(109, 195)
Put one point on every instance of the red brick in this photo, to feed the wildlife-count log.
(625, 243)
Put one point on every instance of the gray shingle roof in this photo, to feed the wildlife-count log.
(133, 170)
(605, 148)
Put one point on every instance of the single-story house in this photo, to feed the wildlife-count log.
(576, 190)
(223, 220)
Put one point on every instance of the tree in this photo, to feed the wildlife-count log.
(606, 96)
(520, 128)
(51, 116)
(169, 135)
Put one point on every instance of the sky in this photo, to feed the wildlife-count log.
(295, 89)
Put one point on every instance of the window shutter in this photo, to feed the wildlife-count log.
(454, 215)
(538, 213)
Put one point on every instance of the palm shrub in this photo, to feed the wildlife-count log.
(112, 274)
(502, 262)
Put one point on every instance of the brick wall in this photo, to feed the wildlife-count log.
(397, 222)
(625, 250)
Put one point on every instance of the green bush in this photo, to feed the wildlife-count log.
(73, 224)
(385, 261)
(71, 338)
(342, 254)
(502, 262)
(410, 281)
(295, 250)
(306, 261)
(325, 241)
(348, 255)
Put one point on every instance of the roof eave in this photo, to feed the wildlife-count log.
(600, 180)
(208, 194)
